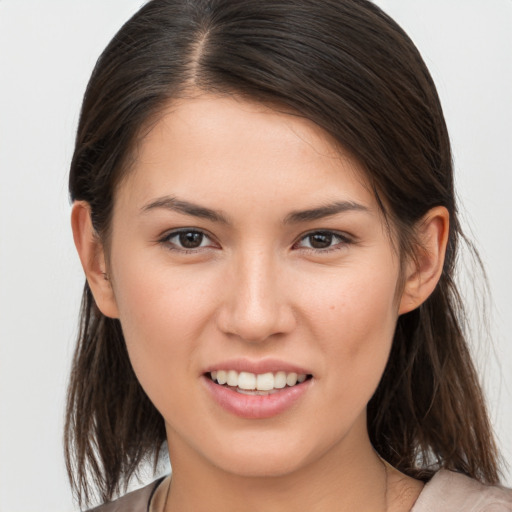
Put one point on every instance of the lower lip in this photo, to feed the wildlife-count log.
(256, 406)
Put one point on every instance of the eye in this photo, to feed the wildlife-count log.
(322, 241)
(187, 240)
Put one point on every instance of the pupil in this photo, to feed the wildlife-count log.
(191, 239)
(320, 240)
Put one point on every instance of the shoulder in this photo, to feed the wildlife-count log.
(135, 501)
(454, 492)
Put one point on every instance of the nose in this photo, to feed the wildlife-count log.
(255, 306)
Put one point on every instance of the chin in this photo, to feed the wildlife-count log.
(266, 456)
(263, 465)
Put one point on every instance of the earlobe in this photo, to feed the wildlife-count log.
(423, 272)
(92, 257)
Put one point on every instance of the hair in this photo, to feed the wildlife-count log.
(349, 68)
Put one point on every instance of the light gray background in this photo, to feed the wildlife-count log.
(47, 51)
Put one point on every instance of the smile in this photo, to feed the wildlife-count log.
(257, 384)
(257, 395)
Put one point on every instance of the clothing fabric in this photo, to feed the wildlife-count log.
(446, 492)
(135, 501)
(452, 492)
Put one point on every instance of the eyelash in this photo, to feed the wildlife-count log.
(166, 240)
(342, 241)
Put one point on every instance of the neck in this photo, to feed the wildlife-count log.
(342, 479)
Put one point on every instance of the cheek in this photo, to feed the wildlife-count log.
(354, 319)
(162, 311)
(354, 304)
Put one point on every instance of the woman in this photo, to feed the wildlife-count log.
(264, 209)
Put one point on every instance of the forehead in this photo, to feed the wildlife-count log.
(222, 147)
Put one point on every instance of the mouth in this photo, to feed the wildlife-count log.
(254, 384)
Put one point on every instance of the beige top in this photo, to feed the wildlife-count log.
(453, 492)
(446, 492)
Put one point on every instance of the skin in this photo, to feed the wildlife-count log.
(256, 288)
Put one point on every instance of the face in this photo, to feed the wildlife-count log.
(246, 248)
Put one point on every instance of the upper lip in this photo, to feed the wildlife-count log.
(257, 366)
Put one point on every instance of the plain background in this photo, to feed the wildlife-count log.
(47, 51)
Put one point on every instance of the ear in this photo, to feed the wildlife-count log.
(424, 271)
(90, 251)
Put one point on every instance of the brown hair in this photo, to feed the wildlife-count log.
(348, 67)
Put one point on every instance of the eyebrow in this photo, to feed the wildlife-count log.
(180, 206)
(295, 217)
(324, 211)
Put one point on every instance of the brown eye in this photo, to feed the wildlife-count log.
(323, 241)
(187, 240)
(191, 239)
(320, 240)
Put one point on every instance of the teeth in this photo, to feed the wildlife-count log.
(265, 382)
(232, 379)
(256, 392)
(280, 380)
(291, 379)
(246, 381)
